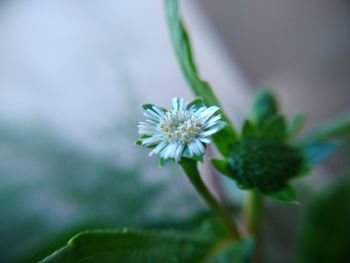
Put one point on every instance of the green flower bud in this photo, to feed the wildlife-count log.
(264, 163)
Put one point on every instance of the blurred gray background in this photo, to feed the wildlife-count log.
(300, 48)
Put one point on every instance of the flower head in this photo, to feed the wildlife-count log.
(182, 131)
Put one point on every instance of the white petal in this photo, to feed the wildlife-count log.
(209, 132)
(178, 152)
(200, 147)
(204, 140)
(151, 140)
(182, 104)
(212, 121)
(158, 110)
(158, 148)
(193, 148)
(151, 116)
(175, 104)
(168, 151)
(153, 113)
(207, 113)
(199, 111)
(146, 128)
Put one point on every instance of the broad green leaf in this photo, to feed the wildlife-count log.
(264, 106)
(295, 124)
(200, 88)
(139, 246)
(133, 246)
(286, 195)
(336, 128)
(318, 151)
(325, 231)
(222, 166)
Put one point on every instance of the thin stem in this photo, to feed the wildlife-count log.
(252, 211)
(189, 166)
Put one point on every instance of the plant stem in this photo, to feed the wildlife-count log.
(252, 211)
(189, 166)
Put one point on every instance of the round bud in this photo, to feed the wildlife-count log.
(264, 163)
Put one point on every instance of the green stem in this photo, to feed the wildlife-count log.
(252, 211)
(189, 166)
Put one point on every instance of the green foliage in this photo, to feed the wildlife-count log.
(139, 246)
(200, 88)
(52, 189)
(318, 151)
(274, 127)
(264, 107)
(285, 195)
(264, 163)
(249, 129)
(325, 231)
(134, 246)
(332, 129)
(222, 166)
(295, 124)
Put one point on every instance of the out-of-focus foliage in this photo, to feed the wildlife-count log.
(325, 231)
(51, 189)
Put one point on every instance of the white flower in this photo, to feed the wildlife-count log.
(181, 131)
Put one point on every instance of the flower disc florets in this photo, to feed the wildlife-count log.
(181, 131)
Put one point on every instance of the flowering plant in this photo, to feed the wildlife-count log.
(263, 158)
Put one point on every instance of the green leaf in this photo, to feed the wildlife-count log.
(147, 106)
(139, 246)
(200, 88)
(222, 166)
(163, 161)
(336, 128)
(138, 142)
(264, 106)
(325, 231)
(318, 151)
(295, 124)
(286, 195)
(248, 129)
(132, 246)
(275, 127)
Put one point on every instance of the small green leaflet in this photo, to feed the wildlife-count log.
(335, 128)
(264, 106)
(286, 195)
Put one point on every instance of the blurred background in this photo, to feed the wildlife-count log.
(74, 73)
